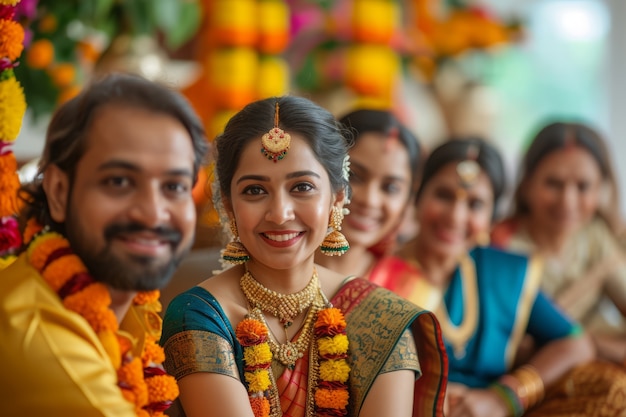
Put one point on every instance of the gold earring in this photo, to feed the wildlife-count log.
(235, 252)
(335, 243)
(483, 239)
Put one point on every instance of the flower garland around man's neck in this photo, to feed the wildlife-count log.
(331, 394)
(142, 379)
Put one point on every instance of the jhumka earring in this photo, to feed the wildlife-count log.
(276, 142)
(235, 252)
(335, 243)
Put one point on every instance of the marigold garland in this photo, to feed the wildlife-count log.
(12, 105)
(252, 335)
(11, 39)
(331, 396)
(142, 380)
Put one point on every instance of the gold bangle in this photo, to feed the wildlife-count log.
(531, 389)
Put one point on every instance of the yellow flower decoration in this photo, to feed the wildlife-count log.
(333, 345)
(9, 2)
(258, 381)
(12, 104)
(334, 370)
(11, 39)
(257, 355)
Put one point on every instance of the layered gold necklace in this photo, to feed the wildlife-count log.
(285, 307)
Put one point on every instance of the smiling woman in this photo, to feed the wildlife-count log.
(279, 334)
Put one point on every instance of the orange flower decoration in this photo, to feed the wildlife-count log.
(251, 332)
(330, 322)
(142, 379)
(11, 39)
(40, 54)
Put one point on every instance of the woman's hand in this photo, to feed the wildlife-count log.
(467, 402)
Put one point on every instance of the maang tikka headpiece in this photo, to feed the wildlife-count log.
(469, 169)
(275, 142)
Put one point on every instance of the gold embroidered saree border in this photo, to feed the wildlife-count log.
(199, 351)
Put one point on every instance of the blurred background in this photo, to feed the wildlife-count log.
(494, 68)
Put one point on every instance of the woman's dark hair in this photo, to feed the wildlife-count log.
(67, 137)
(460, 149)
(387, 124)
(297, 115)
(559, 135)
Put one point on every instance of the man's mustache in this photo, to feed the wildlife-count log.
(164, 233)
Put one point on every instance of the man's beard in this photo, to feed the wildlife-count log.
(132, 273)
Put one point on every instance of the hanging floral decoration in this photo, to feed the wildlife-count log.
(252, 335)
(331, 396)
(241, 47)
(141, 377)
(448, 29)
(12, 109)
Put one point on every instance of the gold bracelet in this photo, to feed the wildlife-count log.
(531, 388)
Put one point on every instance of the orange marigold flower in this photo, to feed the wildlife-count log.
(88, 51)
(146, 297)
(131, 373)
(9, 203)
(251, 332)
(48, 23)
(11, 39)
(42, 247)
(93, 304)
(40, 54)
(260, 406)
(326, 398)
(152, 352)
(330, 322)
(32, 228)
(161, 388)
(63, 74)
(61, 270)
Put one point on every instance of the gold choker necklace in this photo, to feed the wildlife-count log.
(286, 307)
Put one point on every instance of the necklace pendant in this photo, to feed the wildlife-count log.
(288, 354)
(286, 323)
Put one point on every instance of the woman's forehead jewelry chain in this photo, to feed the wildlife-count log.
(285, 307)
(469, 169)
(276, 142)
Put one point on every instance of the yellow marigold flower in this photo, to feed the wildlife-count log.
(258, 381)
(11, 39)
(257, 355)
(12, 106)
(333, 345)
(40, 54)
(62, 75)
(326, 398)
(10, 183)
(334, 370)
(6, 261)
(9, 2)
